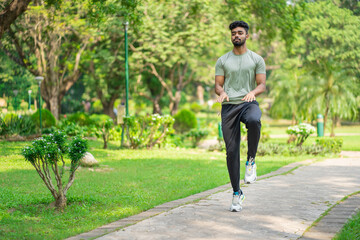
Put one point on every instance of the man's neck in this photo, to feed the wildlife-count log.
(240, 50)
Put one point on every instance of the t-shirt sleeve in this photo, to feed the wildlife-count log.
(260, 66)
(219, 68)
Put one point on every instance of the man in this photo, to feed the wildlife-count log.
(239, 77)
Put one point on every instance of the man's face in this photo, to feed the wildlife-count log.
(238, 36)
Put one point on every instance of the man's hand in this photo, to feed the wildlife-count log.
(222, 97)
(249, 97)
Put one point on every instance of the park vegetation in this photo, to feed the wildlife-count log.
(79, 49)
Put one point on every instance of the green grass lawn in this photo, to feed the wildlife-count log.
(351, 229)
(126, 183)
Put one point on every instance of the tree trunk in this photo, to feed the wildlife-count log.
(338, 121)
(200, 94)
(293, 120)
(108, 109)
(174, 105)
(60, 201)
(105, 137)
(156, 105)
(54, 105)
(332, 134)
(11, 12)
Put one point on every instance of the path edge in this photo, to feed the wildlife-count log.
(125, 222)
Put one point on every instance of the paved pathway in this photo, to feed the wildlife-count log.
(279, 207)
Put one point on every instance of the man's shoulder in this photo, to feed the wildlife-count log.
(224, 57)
(254, 55)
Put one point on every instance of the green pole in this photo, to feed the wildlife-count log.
(320, 125)
(220, 130)
(126, 25)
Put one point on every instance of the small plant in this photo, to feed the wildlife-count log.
(80, 118)
(185, 120)
(24, 105)
(301, 132)
(195, 107)
(104, 131)
(47, 119)
(97, 106)
(71, 128)
(14, 125)
(149, 130)
(333, 145)
(47, 154)
(196, 135)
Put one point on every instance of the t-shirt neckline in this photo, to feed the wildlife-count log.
(232, 51)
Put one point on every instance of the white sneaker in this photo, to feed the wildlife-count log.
(250, 173)
(237, 202)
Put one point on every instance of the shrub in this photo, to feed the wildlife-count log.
(99, 119)
(47, 153)
(314, 150)
(301, 132)
(185, 120)
(148, 130)
(48, 120)
(104, 131)
(195, 107)
(24, 105)
(196, 135)
(175, 140)
(14, 125)
(80, 118)
(330, 144)
(97, 106)
(71, 128)
(10, 117)
(216, 107)
(270, 149)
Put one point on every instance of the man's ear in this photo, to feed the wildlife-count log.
(247, 36)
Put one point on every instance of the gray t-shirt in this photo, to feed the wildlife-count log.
(239, 72)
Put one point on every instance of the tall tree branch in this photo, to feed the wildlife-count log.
(11, 12)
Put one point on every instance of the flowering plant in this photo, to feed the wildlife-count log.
(301, 132)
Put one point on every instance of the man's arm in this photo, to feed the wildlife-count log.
(219, 90)
(260, 88)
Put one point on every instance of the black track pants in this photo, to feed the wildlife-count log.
(231, 114)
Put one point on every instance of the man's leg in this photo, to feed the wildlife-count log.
(230, 119)
(251, 118)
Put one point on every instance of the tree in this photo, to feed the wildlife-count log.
(329, 46)
(104, 63)
(288, 88)
(171, 44)
(15, 78)
(50, 42)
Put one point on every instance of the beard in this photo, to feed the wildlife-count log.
(238, 43)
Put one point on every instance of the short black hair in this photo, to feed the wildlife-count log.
(239, 24)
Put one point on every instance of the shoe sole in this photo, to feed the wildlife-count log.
(235, 209)
(250, 182)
